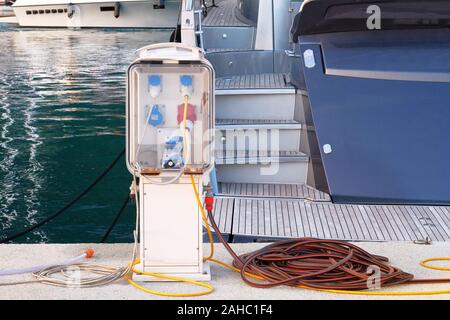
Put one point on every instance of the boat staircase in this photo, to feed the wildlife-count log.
(264, 191)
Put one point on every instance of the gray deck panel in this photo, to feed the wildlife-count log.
(287, 218)
(280, 220)
(332, 224)
(296, 191)
(292, 220)
(440, 221)
(298, 219)
(400, 223)
(362, 222)
(445, 217)
(273, 218)
(384, 214)
(437, 222)
(321, 223)
(370, 224)
(223, 213)
(239, 220)
(425, 222)
(223, 16)
(382, 227)
(304, 219)
(267, 218)
(280, 211)
(334, 220)
(408, 225)
(434, 225)
(418, 229)
(343, 222)
(445, 214)
(292, 225)
(252, 157)
(354, 227)
(311, 220)
(396, 223)
(253, 81)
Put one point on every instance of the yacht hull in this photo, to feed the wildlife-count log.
(380, 105)
(378, 82)
(129, 14)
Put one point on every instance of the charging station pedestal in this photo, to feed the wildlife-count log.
(171, 231)
(170, 131)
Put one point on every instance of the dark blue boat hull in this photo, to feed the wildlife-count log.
(381, 100)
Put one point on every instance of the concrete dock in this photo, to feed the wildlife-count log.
(228, 284)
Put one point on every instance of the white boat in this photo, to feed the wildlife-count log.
(5, 10)
(97, 13)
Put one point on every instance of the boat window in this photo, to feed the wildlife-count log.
(54, 11)
(47, 11)
(35, 12)
(110, 8)
(28, 12)
(65, 10)
(41, 11)
(60, 10)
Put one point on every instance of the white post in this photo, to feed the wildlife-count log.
(188, 23)
(264, 30)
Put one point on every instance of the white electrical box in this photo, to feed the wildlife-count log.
(170, 131)
(164, 83)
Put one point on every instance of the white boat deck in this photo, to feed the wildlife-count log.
(292, 211)
(224, 15)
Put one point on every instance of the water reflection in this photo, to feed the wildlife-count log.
(61, 123)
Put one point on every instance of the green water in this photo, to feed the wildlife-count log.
(62, 96)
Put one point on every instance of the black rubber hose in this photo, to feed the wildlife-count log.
(116, 218)
(67, 206)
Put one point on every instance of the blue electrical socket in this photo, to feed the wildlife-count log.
(156, 117)
(186, 81)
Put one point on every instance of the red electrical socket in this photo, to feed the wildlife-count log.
(191, 115)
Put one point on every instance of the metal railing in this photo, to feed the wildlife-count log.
(199, 31)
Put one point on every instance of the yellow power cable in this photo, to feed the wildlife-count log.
(424, 263)
(209, 287)
(211, 255)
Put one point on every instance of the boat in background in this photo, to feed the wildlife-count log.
(5, 9)
(97, 13)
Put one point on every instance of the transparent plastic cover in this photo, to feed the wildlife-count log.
(167, 105)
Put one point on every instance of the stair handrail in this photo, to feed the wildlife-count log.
(199, 30)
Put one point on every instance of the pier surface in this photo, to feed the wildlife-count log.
(227, 284)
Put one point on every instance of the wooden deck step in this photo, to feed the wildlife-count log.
(257, 214)
(260, 190)
(254, 81)
(256, 167)
(230, 124)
